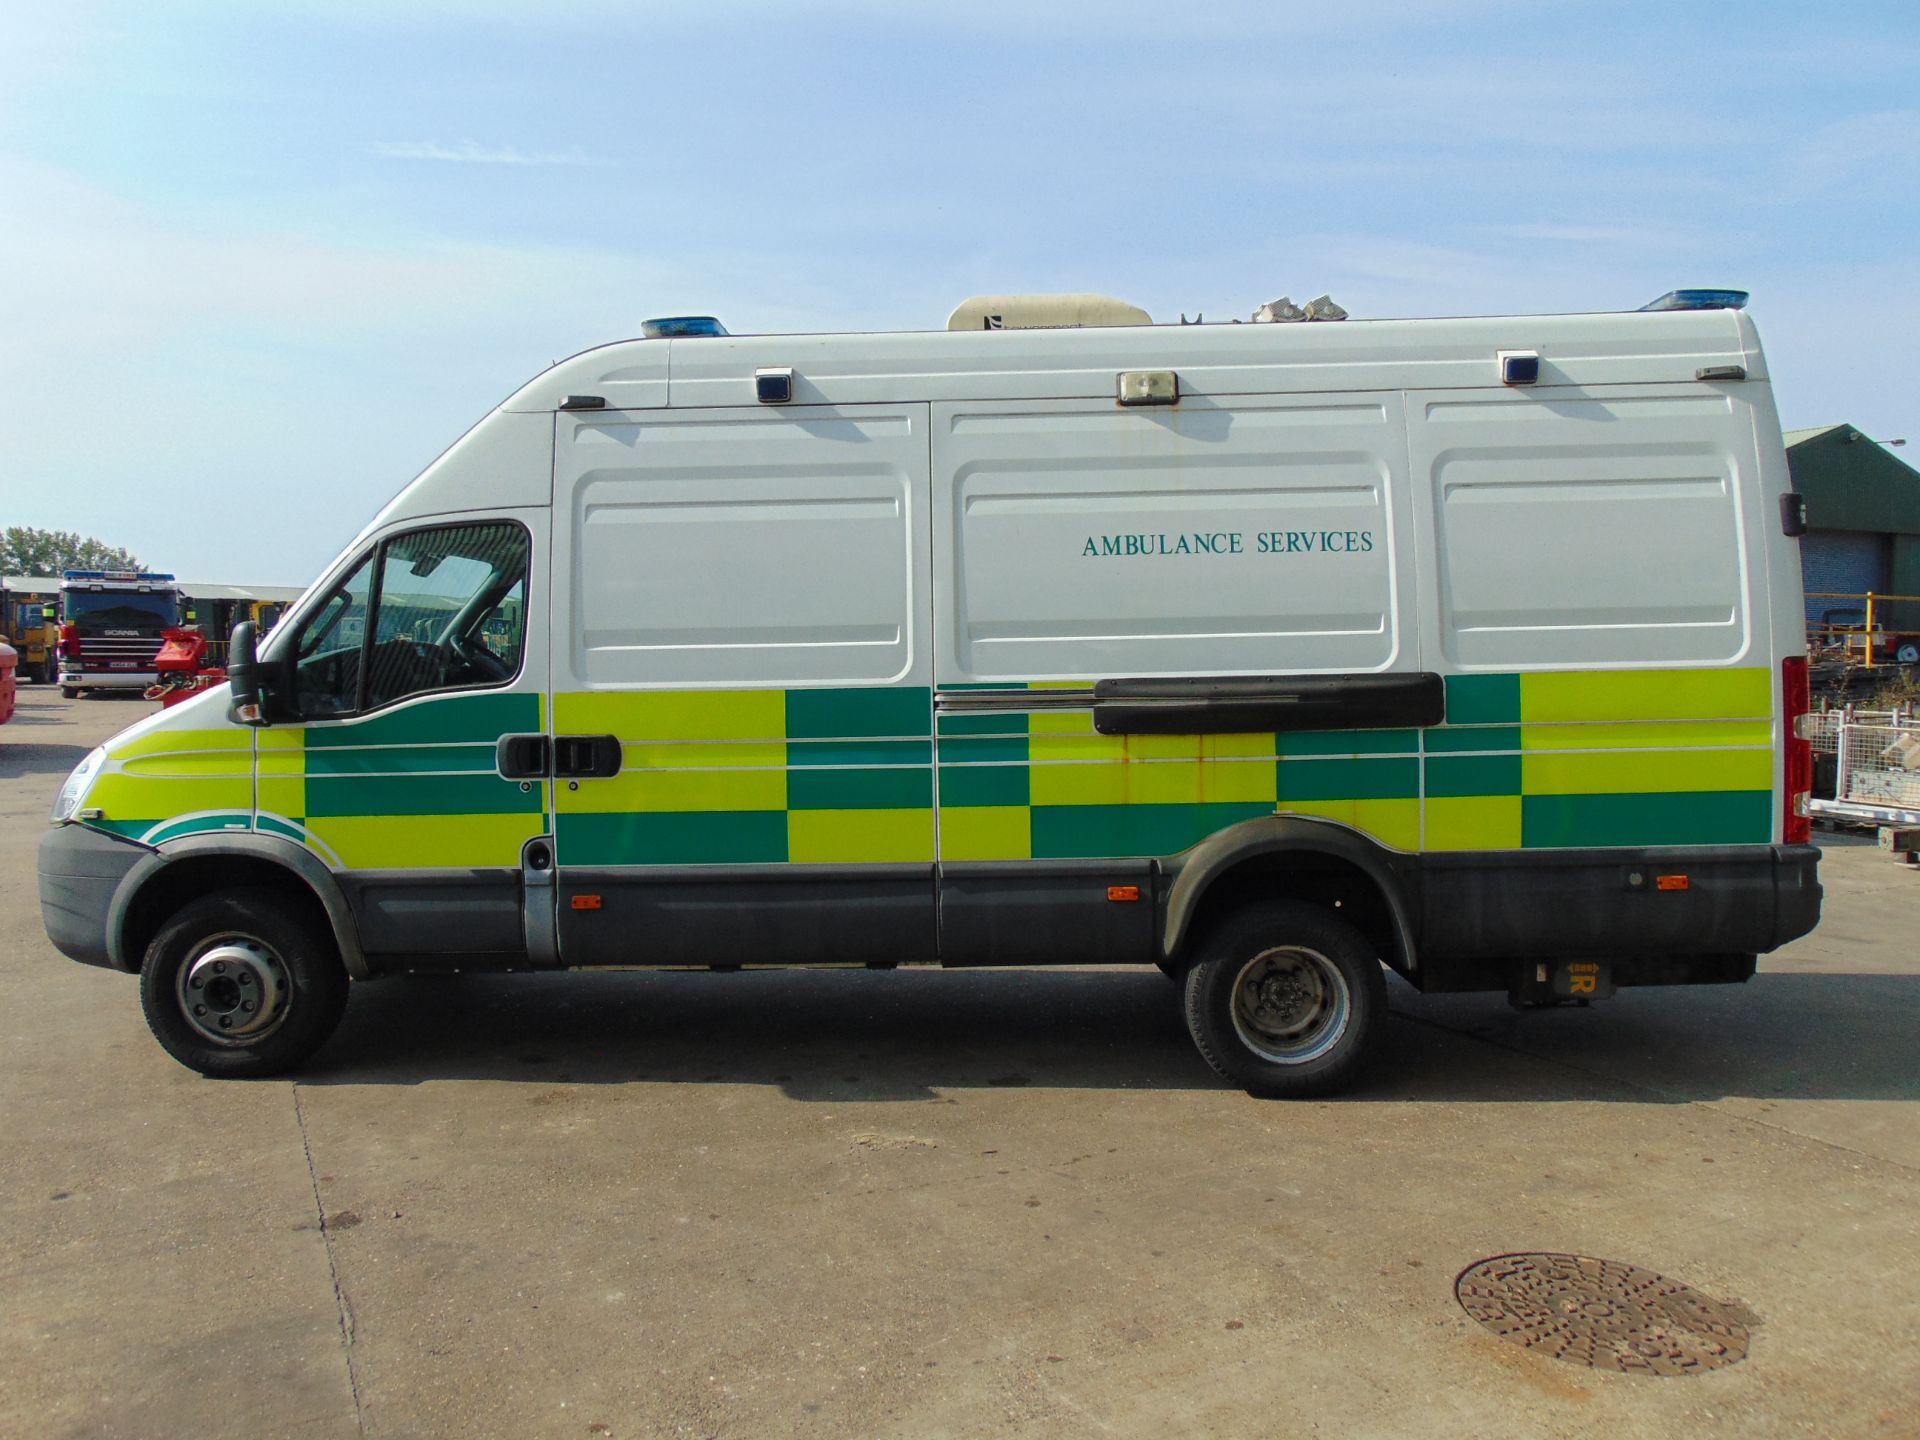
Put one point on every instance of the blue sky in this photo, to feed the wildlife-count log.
(260, 263)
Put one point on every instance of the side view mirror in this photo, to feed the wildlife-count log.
(247, 705)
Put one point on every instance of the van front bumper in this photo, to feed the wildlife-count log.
(80, 870)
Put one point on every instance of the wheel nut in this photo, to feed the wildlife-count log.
(245, 978)
(247, 1005)
(225, 1021)
(199, 982)
(219, 967)
(199, 1009)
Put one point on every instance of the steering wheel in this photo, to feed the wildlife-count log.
(480, 658)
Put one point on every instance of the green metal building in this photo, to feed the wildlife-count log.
(1863, 520)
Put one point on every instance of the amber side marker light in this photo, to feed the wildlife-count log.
(1672, 882)
(1123, 892)
(586, 902)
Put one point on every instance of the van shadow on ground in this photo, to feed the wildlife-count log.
(17, 760)
(852, 1035)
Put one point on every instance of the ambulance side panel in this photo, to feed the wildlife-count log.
(1076, 542)
(742, 605)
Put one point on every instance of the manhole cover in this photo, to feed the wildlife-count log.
(1603, 1314)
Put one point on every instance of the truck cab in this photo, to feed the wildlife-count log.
(113, 623)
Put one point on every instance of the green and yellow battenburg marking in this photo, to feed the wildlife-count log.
(1538, 761)
(165, 784)
(416, 787)
(869, 775)
(826, 776)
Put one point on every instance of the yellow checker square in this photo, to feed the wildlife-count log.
(133, 797)
(1395, 823)
(282, 762)
(283, 795)
(1075, 746)
(657, 791)
(707, 755)
(409, 842)
(1061, 722)
(188, 765)
(1154, 783)
(674, 714)
(1234, 747)
(1645, 695)
(1473, 822)
(1648, 735)
(859, 836)
(1645, 772)
(986, 832)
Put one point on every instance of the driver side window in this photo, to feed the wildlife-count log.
(433, 609)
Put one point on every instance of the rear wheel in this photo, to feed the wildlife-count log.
(241, 984)
(1285, 1000)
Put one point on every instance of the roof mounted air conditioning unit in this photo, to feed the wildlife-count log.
(1043, 312)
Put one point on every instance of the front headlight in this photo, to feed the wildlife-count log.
(71, 793)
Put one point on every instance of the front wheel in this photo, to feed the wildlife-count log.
(242, 984)
(1285, 1000)
(69, 692)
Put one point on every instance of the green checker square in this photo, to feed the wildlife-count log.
(1346, 742)
(358, 795)
(1385, 779)
(1068, 831)
(984, 785)
(1483, 699)
(1450, 775)
(983, 724)
(835, 714)
(860, 789)
(684, 837)
(1005, 749)
(802, 753)
(1472, 737)
(1717, 817)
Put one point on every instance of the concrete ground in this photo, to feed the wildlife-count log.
(921, 1204)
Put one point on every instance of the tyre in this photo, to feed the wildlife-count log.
(1285, 999)
(69, 692)
(241, 984)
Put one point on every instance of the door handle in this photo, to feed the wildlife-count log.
(521, 757)
(586, 757)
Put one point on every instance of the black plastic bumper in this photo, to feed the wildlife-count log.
(80, 869)
(1680, 915)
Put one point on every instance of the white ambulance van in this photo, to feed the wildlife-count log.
(1274, 655)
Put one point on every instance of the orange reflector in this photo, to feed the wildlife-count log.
(1671, 882)
(1123, 892)
(586, 902)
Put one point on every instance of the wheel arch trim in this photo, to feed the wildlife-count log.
(282, 854)
(1195, 872)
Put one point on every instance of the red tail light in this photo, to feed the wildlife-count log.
(69, 639)
(1797, 821)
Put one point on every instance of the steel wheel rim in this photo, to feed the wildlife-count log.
(234, 990)
(1290, 1005)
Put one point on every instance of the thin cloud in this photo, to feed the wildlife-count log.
(472, 152)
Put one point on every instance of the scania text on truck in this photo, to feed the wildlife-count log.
(1279, 656)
